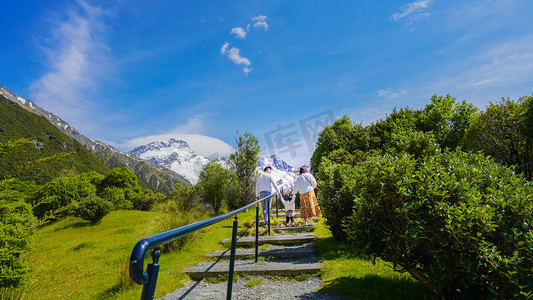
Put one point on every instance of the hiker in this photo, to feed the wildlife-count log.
(263, 188)
(305, 185)
(289, 211)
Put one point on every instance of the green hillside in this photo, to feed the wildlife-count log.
(75, 259)
(17, 123)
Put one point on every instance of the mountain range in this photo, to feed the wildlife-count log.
(178, 156)
(150, 175)
(158, 165)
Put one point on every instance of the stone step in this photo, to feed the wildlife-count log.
(273, 251)
(250, 267)
(277, 239)
(282, 219)
(283, 228)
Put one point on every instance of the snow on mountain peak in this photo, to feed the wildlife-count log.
(175, 155)
(178, 156)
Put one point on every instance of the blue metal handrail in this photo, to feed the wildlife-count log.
(136, 267)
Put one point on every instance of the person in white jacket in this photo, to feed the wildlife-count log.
(263, 188)
(305, 185)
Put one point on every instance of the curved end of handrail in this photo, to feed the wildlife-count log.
(137, 273)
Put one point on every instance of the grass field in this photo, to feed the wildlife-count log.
(74, 259)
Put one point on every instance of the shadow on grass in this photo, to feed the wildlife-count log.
(364, 286)
(374, 287)
(78, 224)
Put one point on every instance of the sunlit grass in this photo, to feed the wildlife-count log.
(74, 259)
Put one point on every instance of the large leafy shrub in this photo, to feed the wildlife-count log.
(17, 230)
(459, 222)
(55, 198)
(93, 208)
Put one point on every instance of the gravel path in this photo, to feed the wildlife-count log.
(268, 289)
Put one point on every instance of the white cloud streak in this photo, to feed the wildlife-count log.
(260, 22)
(239, 32)
(76, 59)
(234, 55)
(412, 11)
(389, 94)
(224, 48)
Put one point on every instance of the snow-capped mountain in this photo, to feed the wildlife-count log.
(284, 175)
(175, 155)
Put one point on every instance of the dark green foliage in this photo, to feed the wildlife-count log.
(186, 197)
(462, 221)
(447, 120)
(147, 199)
(120, 187)
(336, 194)
(17, 230)
(30, 161)
(213, 183)
(244, 162)
(342, 140)
(502, 132)
(93, 208)
(54, 199)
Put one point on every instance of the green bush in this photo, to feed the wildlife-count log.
(336, 193)
(17, 230)
(459, 222)
(55, 198)
(93, 208)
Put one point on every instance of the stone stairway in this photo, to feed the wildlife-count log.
(280, 255)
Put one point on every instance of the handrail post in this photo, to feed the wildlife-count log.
(232, 257)
(277, 217)
(256, 232)
(152, 270)
(268, 212)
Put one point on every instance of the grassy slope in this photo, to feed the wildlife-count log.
(346, 274)
(73, 259)
(16, 123)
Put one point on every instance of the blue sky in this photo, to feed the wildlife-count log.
(121, 71)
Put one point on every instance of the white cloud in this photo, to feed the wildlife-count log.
(412, 11)
(260, 22)
(389, 94)
(246, 70)
(77, 58)
(224, 48)
(235, 56)
(239, 32)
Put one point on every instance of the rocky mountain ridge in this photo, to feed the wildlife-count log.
(156, 176)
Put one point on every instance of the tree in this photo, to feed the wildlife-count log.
(447, 120)
(17, 231)
(17, 224)
(184, 196)
(501, 132)
(120, 187)
(213, 183)
(55, 198)
(244, 162)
